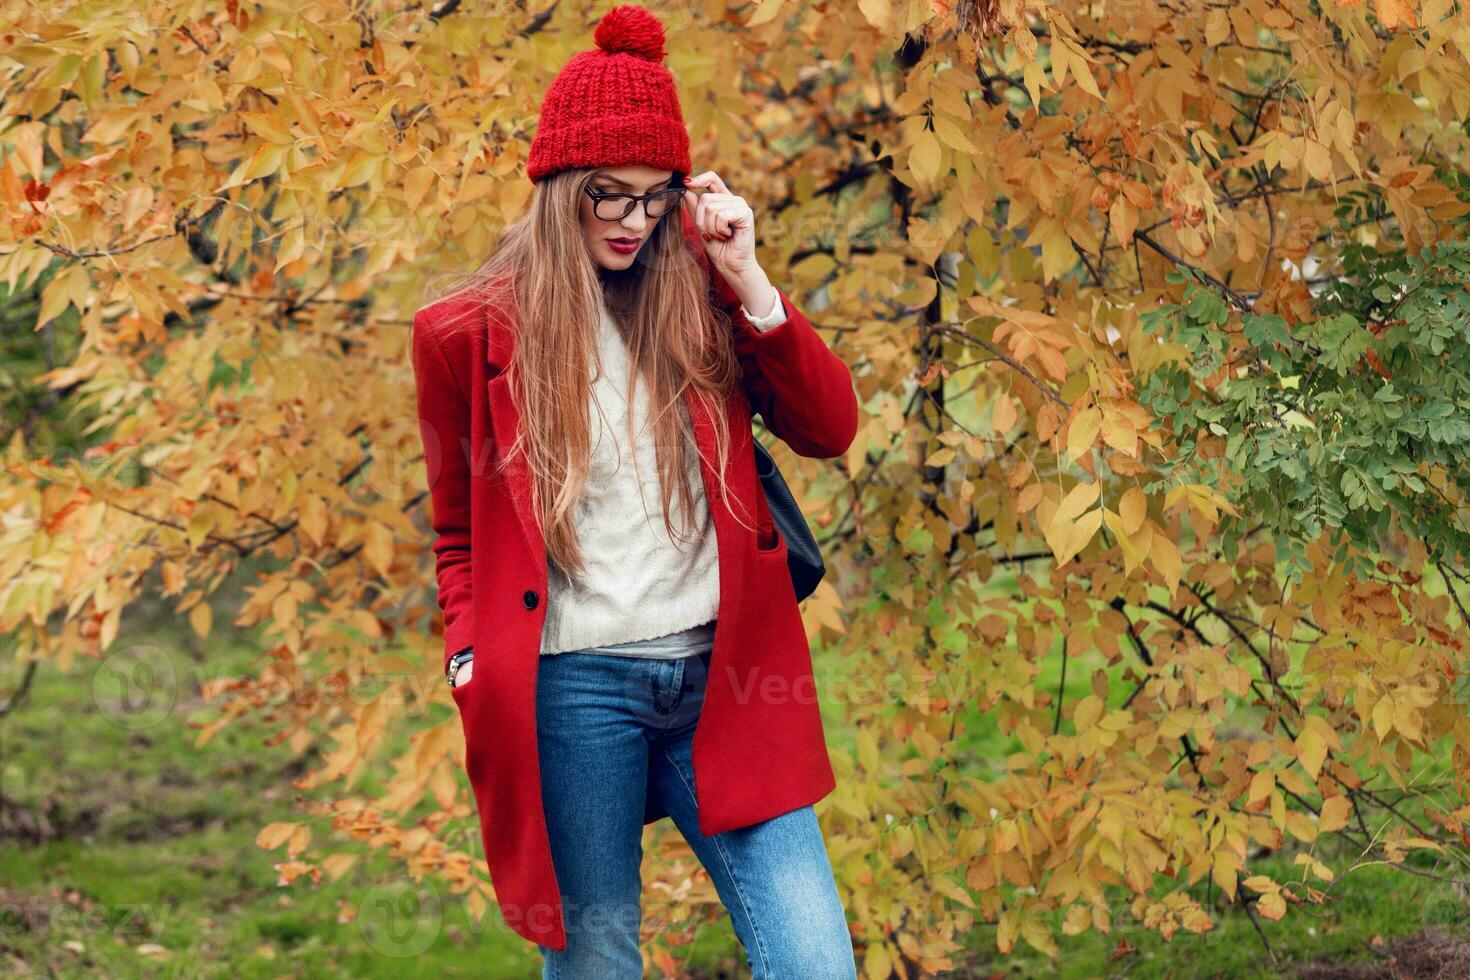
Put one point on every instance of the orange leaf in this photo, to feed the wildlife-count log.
(1395, 13)
(1003, 415)
(1335, 813)
(1124, 217)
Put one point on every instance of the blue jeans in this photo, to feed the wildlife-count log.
(612, 727)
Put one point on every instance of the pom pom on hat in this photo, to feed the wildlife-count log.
(631, 29)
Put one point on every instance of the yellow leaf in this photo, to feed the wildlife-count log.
(417, 184)
(1311, 751)
(313, 517)
(1134, 546)
(1061, 60)
(1124, 218)
(1318, 868)
(918, 295)
(924, 158)
(1317, 159)
(267, 127)
(941, 457)
(951, 133)
(1028, 498)
(1078, 499)
(477, 905)
(1167, 561)
(1038, 933)
(1082, 432)
(378, 548)
(200, 524)
(878, 13)
(819, 265)
(1087, 712)
(877, 964)
(1301, 826)
(293, 246)
(1024, 41)
(1058, 257)
(1406, 720)
(1335, 812)
(867, 746)
(1217, 27)
(1118, 432)
(1223, 873)
(360, 169)
(273, 835)
(1005, 930)
(337, 865)
(1383, 717)
(1080, 535)
(767, 11)
(1133, 508)
(1003, 414)
(1245, 26)
(954, 891)
(69, 287)
(1079, 68)
(1076, 921)
(201, 617)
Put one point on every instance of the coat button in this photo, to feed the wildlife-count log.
(530, 598)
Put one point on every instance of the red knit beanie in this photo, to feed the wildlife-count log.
(613, 105)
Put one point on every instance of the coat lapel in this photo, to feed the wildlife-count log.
(505, 419)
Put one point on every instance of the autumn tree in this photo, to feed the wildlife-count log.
(1157, 311)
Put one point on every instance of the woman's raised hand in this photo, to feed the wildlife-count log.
(727, 225)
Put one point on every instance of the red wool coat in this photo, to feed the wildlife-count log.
(758, 747)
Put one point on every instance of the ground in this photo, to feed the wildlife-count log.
(127, 851)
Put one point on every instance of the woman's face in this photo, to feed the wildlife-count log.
(615, 244)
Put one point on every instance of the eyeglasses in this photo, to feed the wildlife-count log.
(616, 207)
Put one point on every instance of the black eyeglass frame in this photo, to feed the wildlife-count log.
(599, 196)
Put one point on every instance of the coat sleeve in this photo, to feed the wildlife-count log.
(801, 389)
(444, 426)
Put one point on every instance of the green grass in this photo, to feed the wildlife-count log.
(127, 851)
(1366, 908)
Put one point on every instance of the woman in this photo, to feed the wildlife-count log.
(613, 665)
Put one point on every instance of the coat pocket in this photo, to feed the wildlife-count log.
(463, 687)
(459, 691)
(463, 680)
(767, 539)
(467, 698)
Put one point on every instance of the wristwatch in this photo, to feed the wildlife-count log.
(457, 661)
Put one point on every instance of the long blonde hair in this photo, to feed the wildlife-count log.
(675, 337)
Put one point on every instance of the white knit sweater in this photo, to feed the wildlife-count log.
(642, 592)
